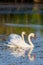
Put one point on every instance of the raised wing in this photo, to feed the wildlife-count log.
(14, 38)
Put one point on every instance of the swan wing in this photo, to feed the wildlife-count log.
(14, 36)
(17, 40)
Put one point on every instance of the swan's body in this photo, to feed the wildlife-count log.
(16, 36)
(17, 40)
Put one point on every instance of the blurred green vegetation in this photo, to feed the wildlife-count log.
(18, 30)
(35, 18)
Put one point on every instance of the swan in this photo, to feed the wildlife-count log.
(17, 40)
(14, 38)
(31, 46)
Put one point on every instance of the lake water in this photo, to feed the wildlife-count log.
(9, 56)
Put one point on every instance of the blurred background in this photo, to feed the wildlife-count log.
(21, 15)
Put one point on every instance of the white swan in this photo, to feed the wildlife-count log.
(31, 46)
(19, 41)
(15, 38)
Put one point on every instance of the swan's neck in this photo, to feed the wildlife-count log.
(22, 36)
(29, 39)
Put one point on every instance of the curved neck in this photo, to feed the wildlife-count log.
(22, 36)
(29, 39)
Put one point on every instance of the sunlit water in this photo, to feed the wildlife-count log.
(9, 56)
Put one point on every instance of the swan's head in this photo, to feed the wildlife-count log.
(23, 33)
(32, 35)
